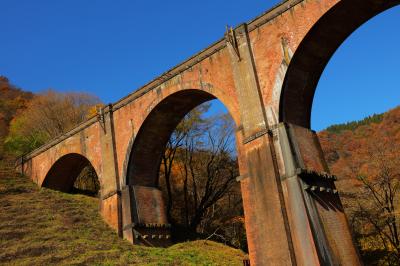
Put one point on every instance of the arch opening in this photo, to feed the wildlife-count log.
(73, 173)
(149, 144)
(315, 51)
(361, 153)
(188, 154)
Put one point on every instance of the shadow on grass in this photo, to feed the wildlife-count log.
(85, 192)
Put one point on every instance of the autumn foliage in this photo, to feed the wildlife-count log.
(198, 176)
(365, 156)
(46, 116)
(29, 120)
(12, 101)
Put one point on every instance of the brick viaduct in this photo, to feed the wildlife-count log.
(265, 72)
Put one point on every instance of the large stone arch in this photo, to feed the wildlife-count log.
(149, 143)
(144, 157)
(64, 172)
(165, 115)
(316, 49)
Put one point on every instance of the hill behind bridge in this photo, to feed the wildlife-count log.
(12, 100)
(365, 157)
(348, 147)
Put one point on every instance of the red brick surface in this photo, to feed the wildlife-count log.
(266, 200)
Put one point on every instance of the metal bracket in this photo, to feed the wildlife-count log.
(100, 118)
(230, 37)
(147, 226)
(286, 55)
(314, 181)
(325, 189)
(241, 177)
(308, 174)
(256, 135)
(110, 194)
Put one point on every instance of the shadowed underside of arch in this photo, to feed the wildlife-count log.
(149, 144)
(64, 172)
(314, 53)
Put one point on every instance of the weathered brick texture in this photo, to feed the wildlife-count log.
(265, 72)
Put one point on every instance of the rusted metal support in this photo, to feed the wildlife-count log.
(100, 118)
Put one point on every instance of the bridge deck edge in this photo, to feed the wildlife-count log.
(253, 24)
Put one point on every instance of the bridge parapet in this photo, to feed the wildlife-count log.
(58, 139)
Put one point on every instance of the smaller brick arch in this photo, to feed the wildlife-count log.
(145, 151)
(64, 172)
(315, 51)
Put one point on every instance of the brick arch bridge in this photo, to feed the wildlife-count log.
(265, 72)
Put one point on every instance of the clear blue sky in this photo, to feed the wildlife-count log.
(111, 48)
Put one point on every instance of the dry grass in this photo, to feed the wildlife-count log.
(45, 227)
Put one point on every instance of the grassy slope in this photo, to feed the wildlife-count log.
(42, 227)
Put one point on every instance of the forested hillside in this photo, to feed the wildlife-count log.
(12, 100)
(349, 147)
(365, 157)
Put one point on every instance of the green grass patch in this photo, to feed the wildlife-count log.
(39, 226)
